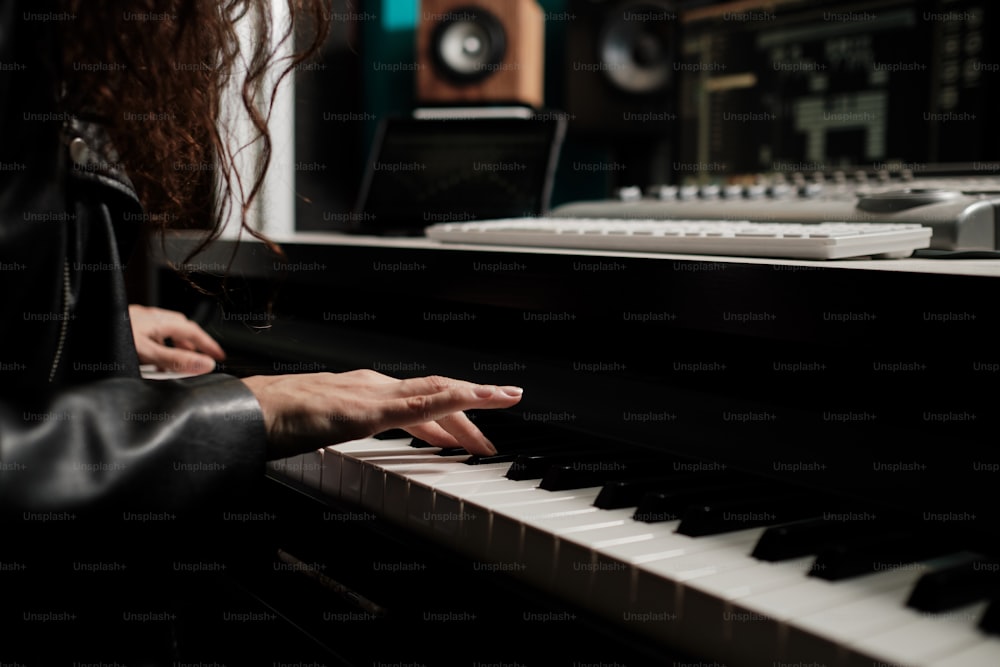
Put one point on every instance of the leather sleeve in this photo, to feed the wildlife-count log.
(129, 445)
(81, 443)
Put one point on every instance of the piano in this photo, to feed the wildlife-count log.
(717, 461)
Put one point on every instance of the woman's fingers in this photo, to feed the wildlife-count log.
(303, 411)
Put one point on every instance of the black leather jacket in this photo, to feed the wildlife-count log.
(79, 428)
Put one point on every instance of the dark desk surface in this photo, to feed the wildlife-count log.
(858, 365)
(966, 267)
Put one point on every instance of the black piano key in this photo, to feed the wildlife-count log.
(508, 433)
(535, 465)
(990, 622)
(525, 445)
(529, 445)
(716, 517)
(879, 554)
(453, 451)
(511, 437)
(953, 587)
(483, 459)
(810, 536)
(670, 506)
(508, 451)
(509, 448)
(619, 494)
(585, 474)
(392, 434)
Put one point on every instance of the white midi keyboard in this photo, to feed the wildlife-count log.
(710, 593)
(823, 240)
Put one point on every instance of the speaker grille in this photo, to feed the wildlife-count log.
(469, 44)
(481, 52)
(622, 77)
(636, 47)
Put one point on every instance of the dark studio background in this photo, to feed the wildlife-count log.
(216, 593)
(838, 86)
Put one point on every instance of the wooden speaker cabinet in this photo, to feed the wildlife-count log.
(488, 52)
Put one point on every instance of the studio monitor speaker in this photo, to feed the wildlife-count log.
(621, 71)
(480, 52)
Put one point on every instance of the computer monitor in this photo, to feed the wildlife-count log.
(426, 171)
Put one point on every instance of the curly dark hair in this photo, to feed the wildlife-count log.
(156, 74)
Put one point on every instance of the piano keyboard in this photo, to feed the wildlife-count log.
(723, 582)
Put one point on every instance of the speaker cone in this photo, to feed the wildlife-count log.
(468, 44)
(636, 48)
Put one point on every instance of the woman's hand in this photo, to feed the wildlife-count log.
(193, 351)
(309, 411)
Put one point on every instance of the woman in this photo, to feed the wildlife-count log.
(97, 104)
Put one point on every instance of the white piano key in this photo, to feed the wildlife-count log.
(509, 509)
(558, 542)
(409, 485)
(627, 533)
(475, 481)
(525, 493)
(822, 634)
(681, 590)
(984, 654)
(358, 448)
(539, 505)
(611, 584)
(507, 525)
(567, 564)
(782, 605)
(657, 608)
(423, 488)
(294, 467)
(668, 544)
(924, 639)
(411, 475)
(397, 489)
(707, 614)
(411, 481)
(447, 517)
(469, 478)
(470, 492)
(341, 457)
(697, 564)
(377, 467)
(653, 604)
(364, 465)
(373, 488)
(312, 469)
(329, 482)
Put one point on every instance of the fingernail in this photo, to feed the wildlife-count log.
(490, 447)
(512, 391)
(484, 390)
